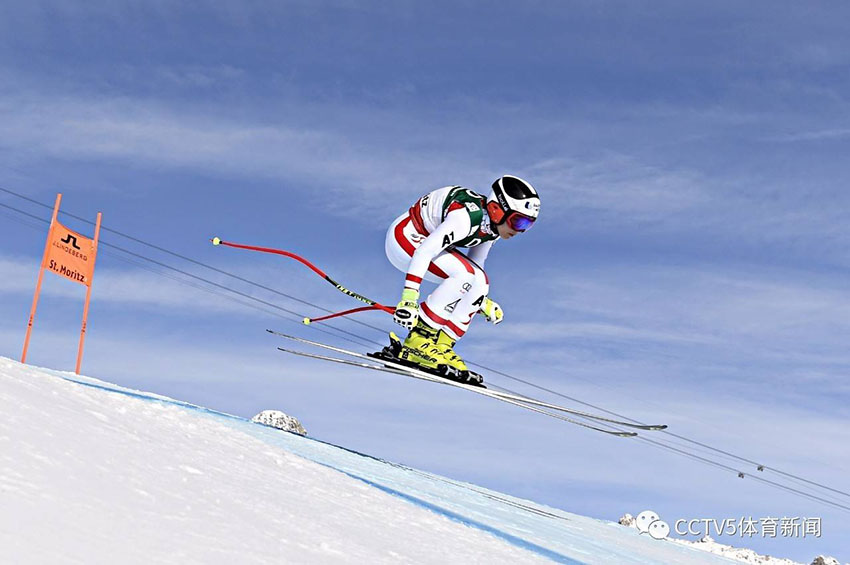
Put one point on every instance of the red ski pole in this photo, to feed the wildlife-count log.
(373, 305)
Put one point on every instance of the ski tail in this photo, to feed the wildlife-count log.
(528, 402)
(425, 376)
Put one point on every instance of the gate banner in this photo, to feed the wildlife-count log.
(71, 255)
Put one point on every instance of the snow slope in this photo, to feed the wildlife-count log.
(94, 473)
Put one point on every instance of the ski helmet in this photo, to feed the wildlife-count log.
(514, 201)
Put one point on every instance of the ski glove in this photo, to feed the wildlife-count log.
(407, 312)
(492, 311)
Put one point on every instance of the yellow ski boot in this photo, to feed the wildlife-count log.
(431, 351)
(446, 345)
(420, 348)
(454, 367)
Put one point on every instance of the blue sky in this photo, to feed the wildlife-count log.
(690, 264)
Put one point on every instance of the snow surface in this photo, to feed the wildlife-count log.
(747, 555)
(95, 473)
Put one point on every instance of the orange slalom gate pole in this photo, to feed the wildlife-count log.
(40, 277)
(88, 296)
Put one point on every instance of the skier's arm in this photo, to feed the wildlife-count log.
(479, 253)
(455, 227)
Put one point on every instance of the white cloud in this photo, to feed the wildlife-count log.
(741, 302)
(129, 288)
(410, 155)
(144, 133)
(813, 135)
(361, 170)
(619, 187)
(780, 333)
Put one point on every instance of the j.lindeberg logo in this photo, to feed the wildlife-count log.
(648, 522)
(72, 240)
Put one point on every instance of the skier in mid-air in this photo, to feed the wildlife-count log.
(423, 243)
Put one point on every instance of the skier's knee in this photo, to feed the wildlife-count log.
(467, 280)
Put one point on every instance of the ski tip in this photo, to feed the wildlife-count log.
(306, 321)
(216, 241)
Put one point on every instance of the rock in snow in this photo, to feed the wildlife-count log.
(281, 421)
(627, 520)
(821, 560)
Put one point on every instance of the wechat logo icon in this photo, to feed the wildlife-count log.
(648, 522)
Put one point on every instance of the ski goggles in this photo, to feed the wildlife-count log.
(519, 222)
(515, 220)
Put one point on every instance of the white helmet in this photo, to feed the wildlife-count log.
(514, 201)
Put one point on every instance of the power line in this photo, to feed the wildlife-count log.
(189, 259)
(218, 288)
(741, 474)
(298, 316)
(760, 467)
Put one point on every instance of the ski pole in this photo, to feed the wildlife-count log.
(373, 305)
(308, 321)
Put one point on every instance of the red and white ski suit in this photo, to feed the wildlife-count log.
(422, 244)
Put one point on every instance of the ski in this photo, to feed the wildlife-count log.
(502, 395)
(413, 373)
